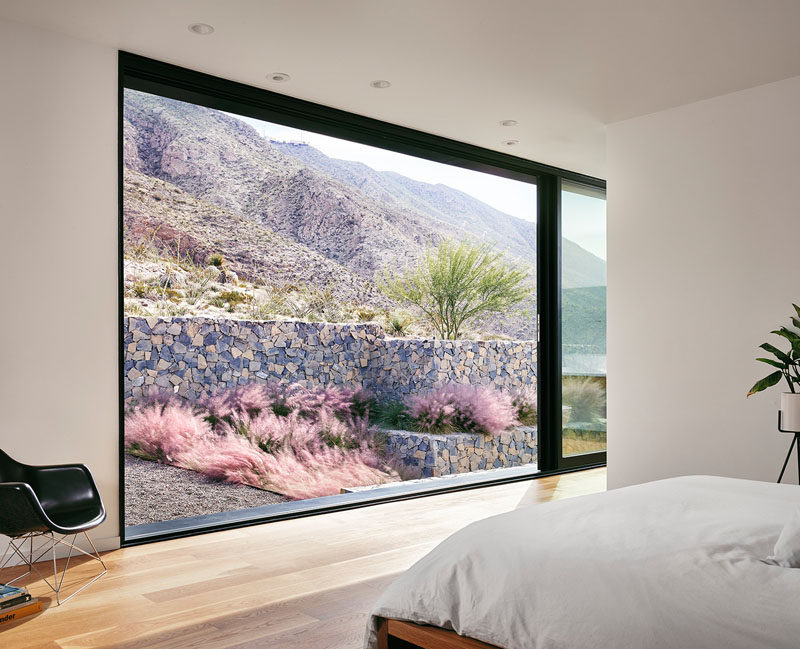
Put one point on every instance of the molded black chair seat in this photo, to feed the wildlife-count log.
(47, 500)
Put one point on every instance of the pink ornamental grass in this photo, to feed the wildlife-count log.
(318, 448)
(248, 398)
(433, 412)
(293, 432)
(325, 472)
(467, 408)
(302, 466)
(231, 458)
(163, 432)
(285, 399)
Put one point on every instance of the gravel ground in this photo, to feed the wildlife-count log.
(158, 492)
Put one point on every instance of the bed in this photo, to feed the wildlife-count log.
(672, 564)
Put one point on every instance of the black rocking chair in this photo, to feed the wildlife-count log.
(40, 506)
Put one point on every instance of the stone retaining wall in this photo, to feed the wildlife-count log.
(407, 365)
(438, 455)
(196, 356)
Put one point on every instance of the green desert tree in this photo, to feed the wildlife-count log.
(457, 282)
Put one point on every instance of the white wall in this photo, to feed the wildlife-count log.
(704, 254)
(58, 256)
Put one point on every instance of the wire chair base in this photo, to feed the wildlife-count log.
(47, 542)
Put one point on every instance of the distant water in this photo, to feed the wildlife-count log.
(585, 364)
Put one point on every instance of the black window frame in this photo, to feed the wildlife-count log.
(148, 75)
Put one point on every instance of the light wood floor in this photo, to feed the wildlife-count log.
(299, 584)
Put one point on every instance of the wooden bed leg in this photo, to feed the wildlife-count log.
(395, 634)
(383, 634)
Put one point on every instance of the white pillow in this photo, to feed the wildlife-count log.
(787, 550)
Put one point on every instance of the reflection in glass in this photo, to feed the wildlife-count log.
(583, 333)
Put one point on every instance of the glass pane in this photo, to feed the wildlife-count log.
(306, 316)
(583, 312)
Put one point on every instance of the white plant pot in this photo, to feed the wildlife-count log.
(790, 411)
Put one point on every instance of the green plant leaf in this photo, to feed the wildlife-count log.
(797, 309)
(769, 361)
(796, 322)
(766, 382)
(783, 356)
(786, 333)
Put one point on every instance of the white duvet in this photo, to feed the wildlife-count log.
(670, 564)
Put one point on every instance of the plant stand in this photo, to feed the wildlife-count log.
(795, 441)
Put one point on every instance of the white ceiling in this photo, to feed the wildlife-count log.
(562, 69)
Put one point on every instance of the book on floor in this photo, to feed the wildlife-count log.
(10, 592)
(13, 613)
(15, 601)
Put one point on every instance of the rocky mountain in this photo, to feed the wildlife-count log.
(223, 161)
(182, 226)
(453, 207)
(436, 201)
(287, 213)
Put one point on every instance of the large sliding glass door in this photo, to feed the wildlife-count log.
(318, 309)
(583, 325)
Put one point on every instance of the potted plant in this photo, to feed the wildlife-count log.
(788, 367)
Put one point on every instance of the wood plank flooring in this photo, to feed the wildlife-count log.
(300, 584)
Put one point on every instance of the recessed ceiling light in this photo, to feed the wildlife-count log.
(508, 122)
(380, 83)
(201, 29)
(278, 77)
(510, 142)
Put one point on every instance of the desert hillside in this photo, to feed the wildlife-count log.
(298, 233)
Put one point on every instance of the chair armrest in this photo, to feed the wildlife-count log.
(64, 487)
(20, 510)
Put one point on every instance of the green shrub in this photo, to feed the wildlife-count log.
(365, 313)
(281, 409)
(141, 289)
(216, 260)
(230, 299)
(525, 400)
(338, 439)
(392, 414)
(170, 294)
(362, 403)
(456, 283)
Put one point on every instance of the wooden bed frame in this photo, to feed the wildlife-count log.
(398, 634)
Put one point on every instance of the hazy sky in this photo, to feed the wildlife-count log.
(583, 217)
(583, 220)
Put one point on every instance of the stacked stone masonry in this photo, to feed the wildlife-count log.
(196, 356)
(438, 455)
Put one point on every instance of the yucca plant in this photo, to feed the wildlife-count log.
(787, 363)
(216, 259)
(398, 325)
